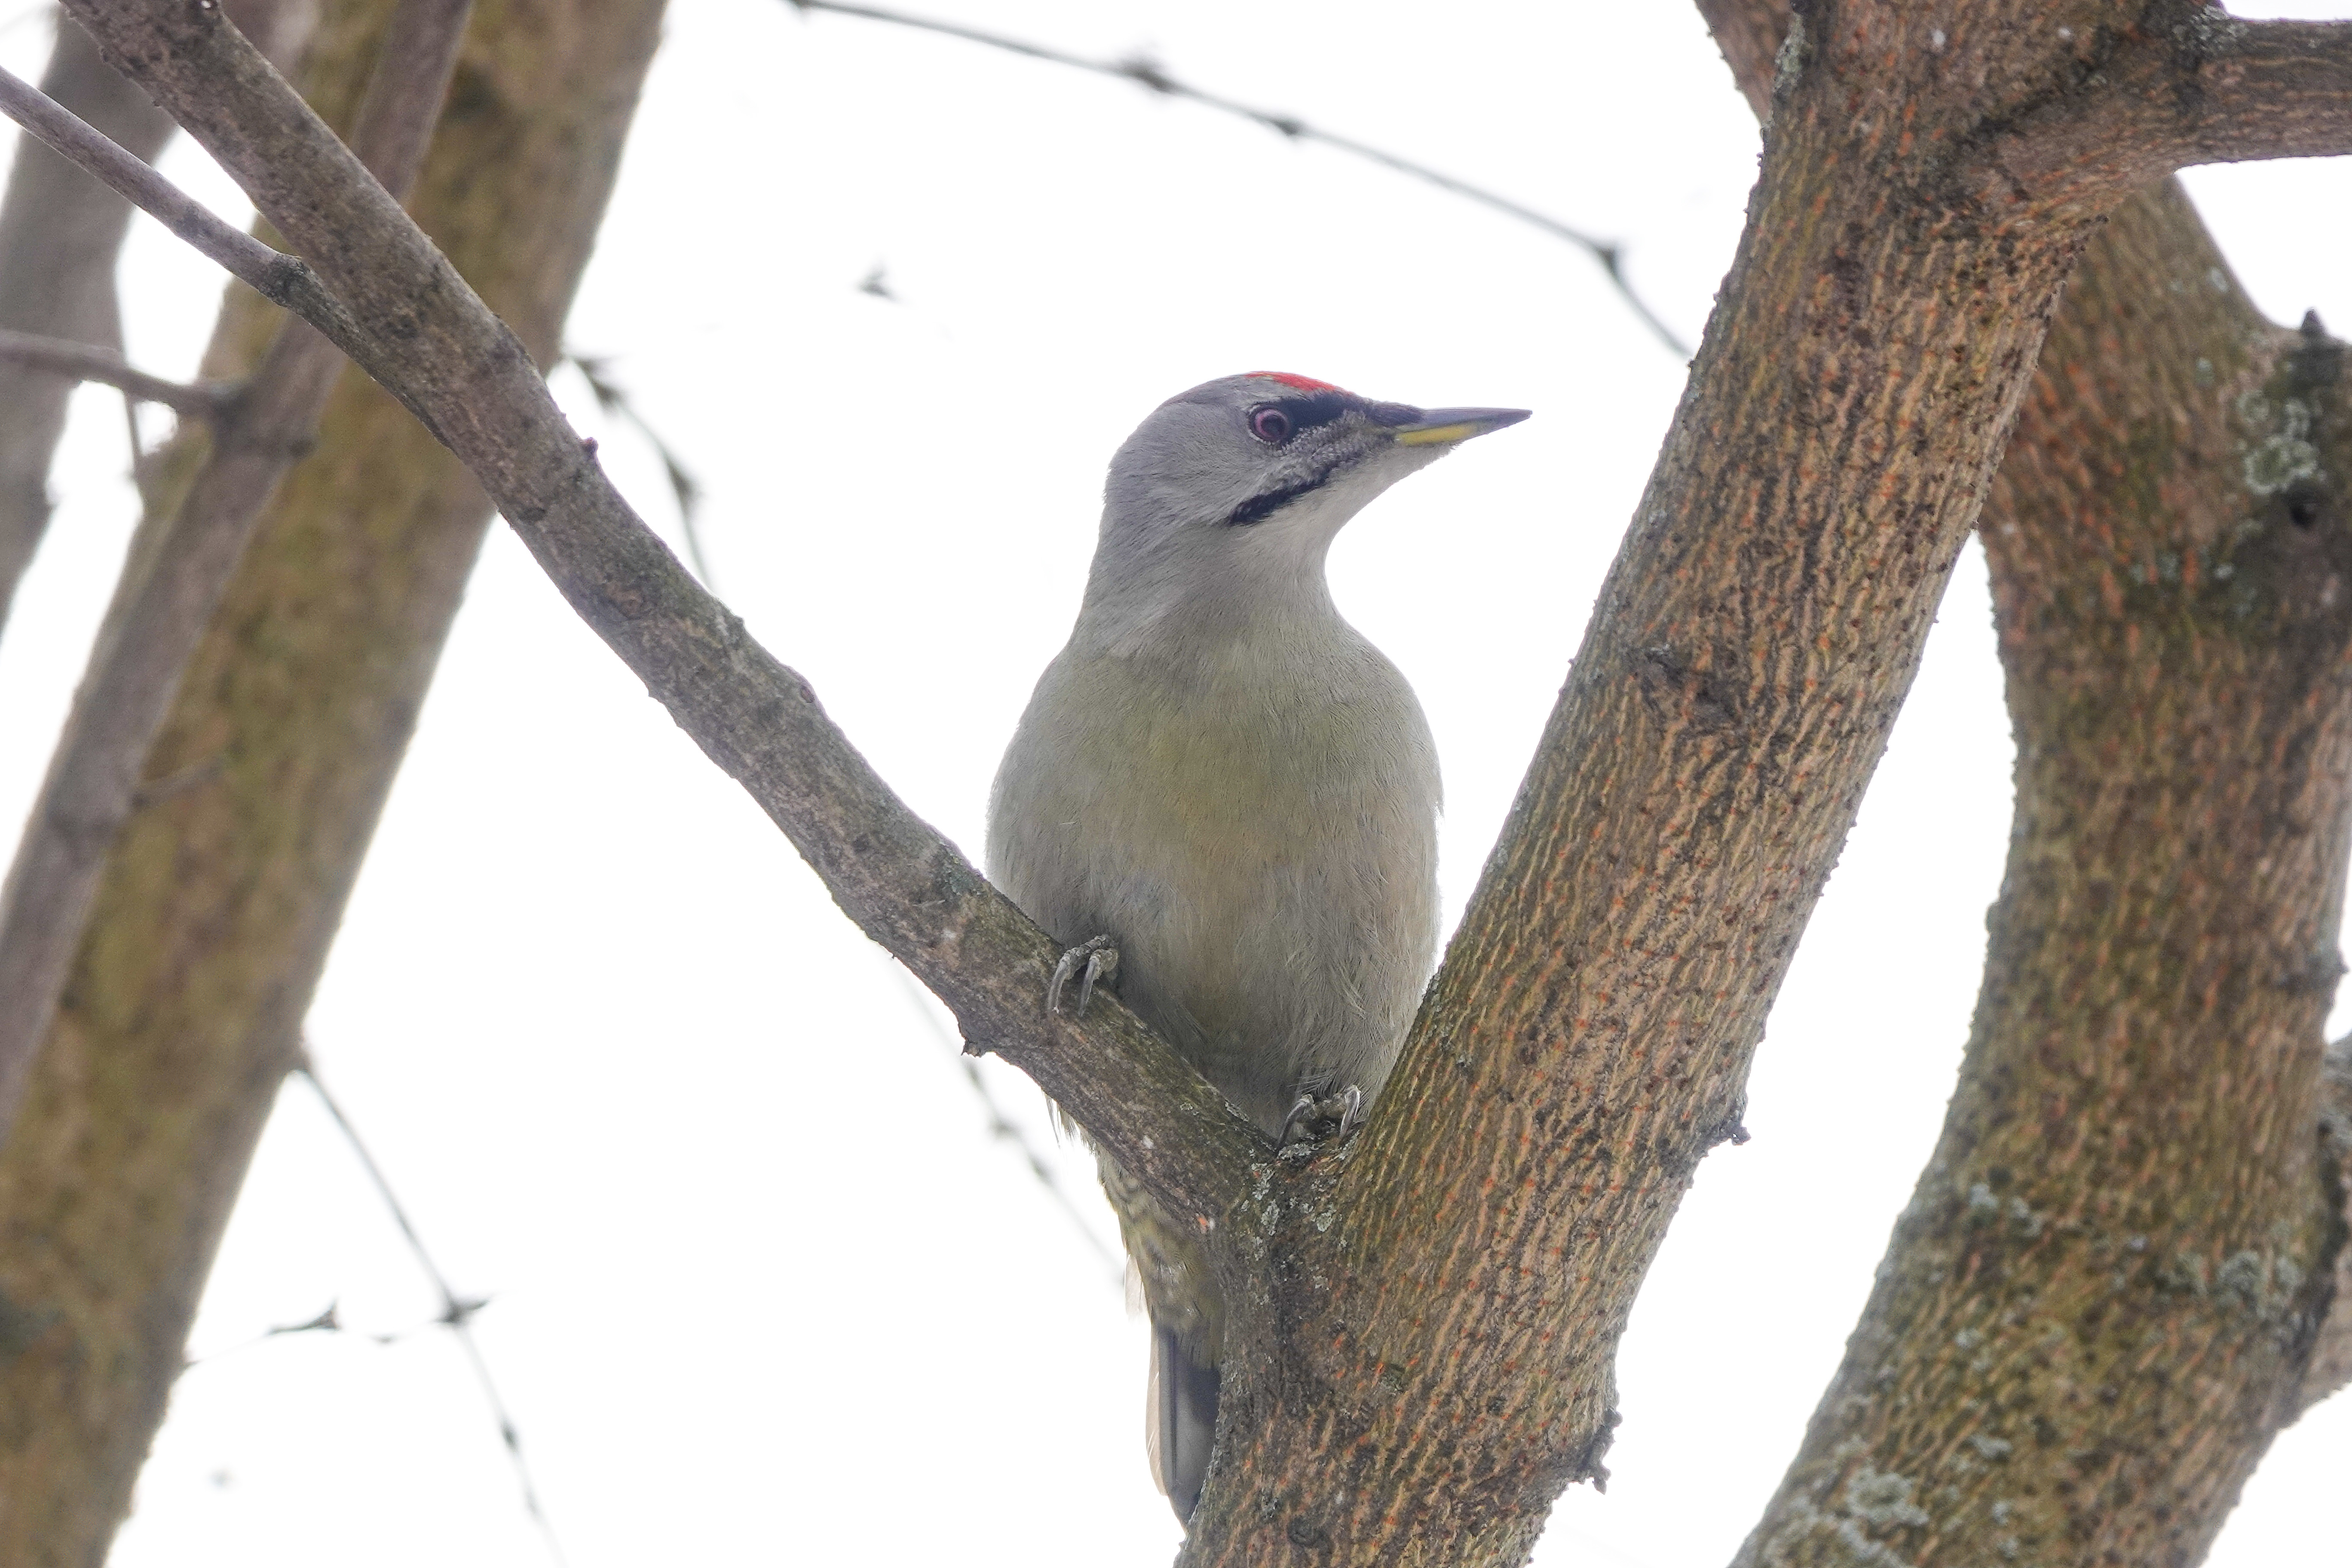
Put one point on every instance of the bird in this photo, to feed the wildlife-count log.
(1223, 800)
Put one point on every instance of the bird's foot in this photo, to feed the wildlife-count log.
(1095, 959)
(1341, 1112)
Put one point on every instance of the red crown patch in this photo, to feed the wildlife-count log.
(1302, 382)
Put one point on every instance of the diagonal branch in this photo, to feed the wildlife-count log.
(221, 895)
(1587, 1038)
(165, 599)
(280, 279)
(204, 400)
(59, 235)
(1146, 73)
(2128, 1157)
(457, 1311)
(423, 333)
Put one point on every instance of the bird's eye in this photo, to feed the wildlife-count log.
(1271, 425)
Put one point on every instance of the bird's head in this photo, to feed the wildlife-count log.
(1244, 481)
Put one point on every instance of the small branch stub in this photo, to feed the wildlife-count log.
(207, 401)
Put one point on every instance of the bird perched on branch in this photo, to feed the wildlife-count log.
(1226, 800)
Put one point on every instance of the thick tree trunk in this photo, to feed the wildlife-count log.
(221, 895)
(2101, 1304)
(1421, 1388)
(1423, 1321)
(2098, 1309)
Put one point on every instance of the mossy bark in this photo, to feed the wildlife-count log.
(1428, 1332)
(2099, 1308)
(2103, 1300)
(1422, 1322)
(221, 897)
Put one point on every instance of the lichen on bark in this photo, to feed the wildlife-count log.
(2103, 1300)
(221, 897)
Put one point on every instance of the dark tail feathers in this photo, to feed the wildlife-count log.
(1180, 1418)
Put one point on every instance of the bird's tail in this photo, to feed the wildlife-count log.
(1188, 1333)
(1180, 1420)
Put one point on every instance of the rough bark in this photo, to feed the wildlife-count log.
(1422, 1322)
(2097, 1308)
(220, 897)
(169, 587)
(1587, 1038)
(2102, 1303)
(425, 336)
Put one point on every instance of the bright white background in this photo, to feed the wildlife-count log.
(764, 1290)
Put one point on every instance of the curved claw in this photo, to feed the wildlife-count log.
(1344, 1106)
(1100, 956)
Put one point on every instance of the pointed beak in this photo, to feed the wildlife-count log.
(1445, 427)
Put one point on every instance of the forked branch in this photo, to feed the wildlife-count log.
(421, 332)
(167, 596)
(280, 279)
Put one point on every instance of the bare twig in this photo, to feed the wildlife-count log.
(87, 362)
(59, 235)
(614, 398)
(434, 343)
(280, 279)
(457, 1311)
(328, 1321)
(162, 606)
(1148, 74)
(1004, 1128)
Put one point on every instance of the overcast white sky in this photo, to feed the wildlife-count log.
(763, 1288)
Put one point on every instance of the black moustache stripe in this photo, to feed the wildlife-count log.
(1260, 507)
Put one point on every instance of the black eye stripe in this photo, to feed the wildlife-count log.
(1317, 408)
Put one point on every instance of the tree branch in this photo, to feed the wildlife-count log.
(163, 603)
(457, 1311)
(59, 235)
(427, 338)
(280, 279)
(2128, 1159)
(2262, 90)
(1148, 74)
(221, 895)
(2140, 101)
(1587, 1038)
(85, 361)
